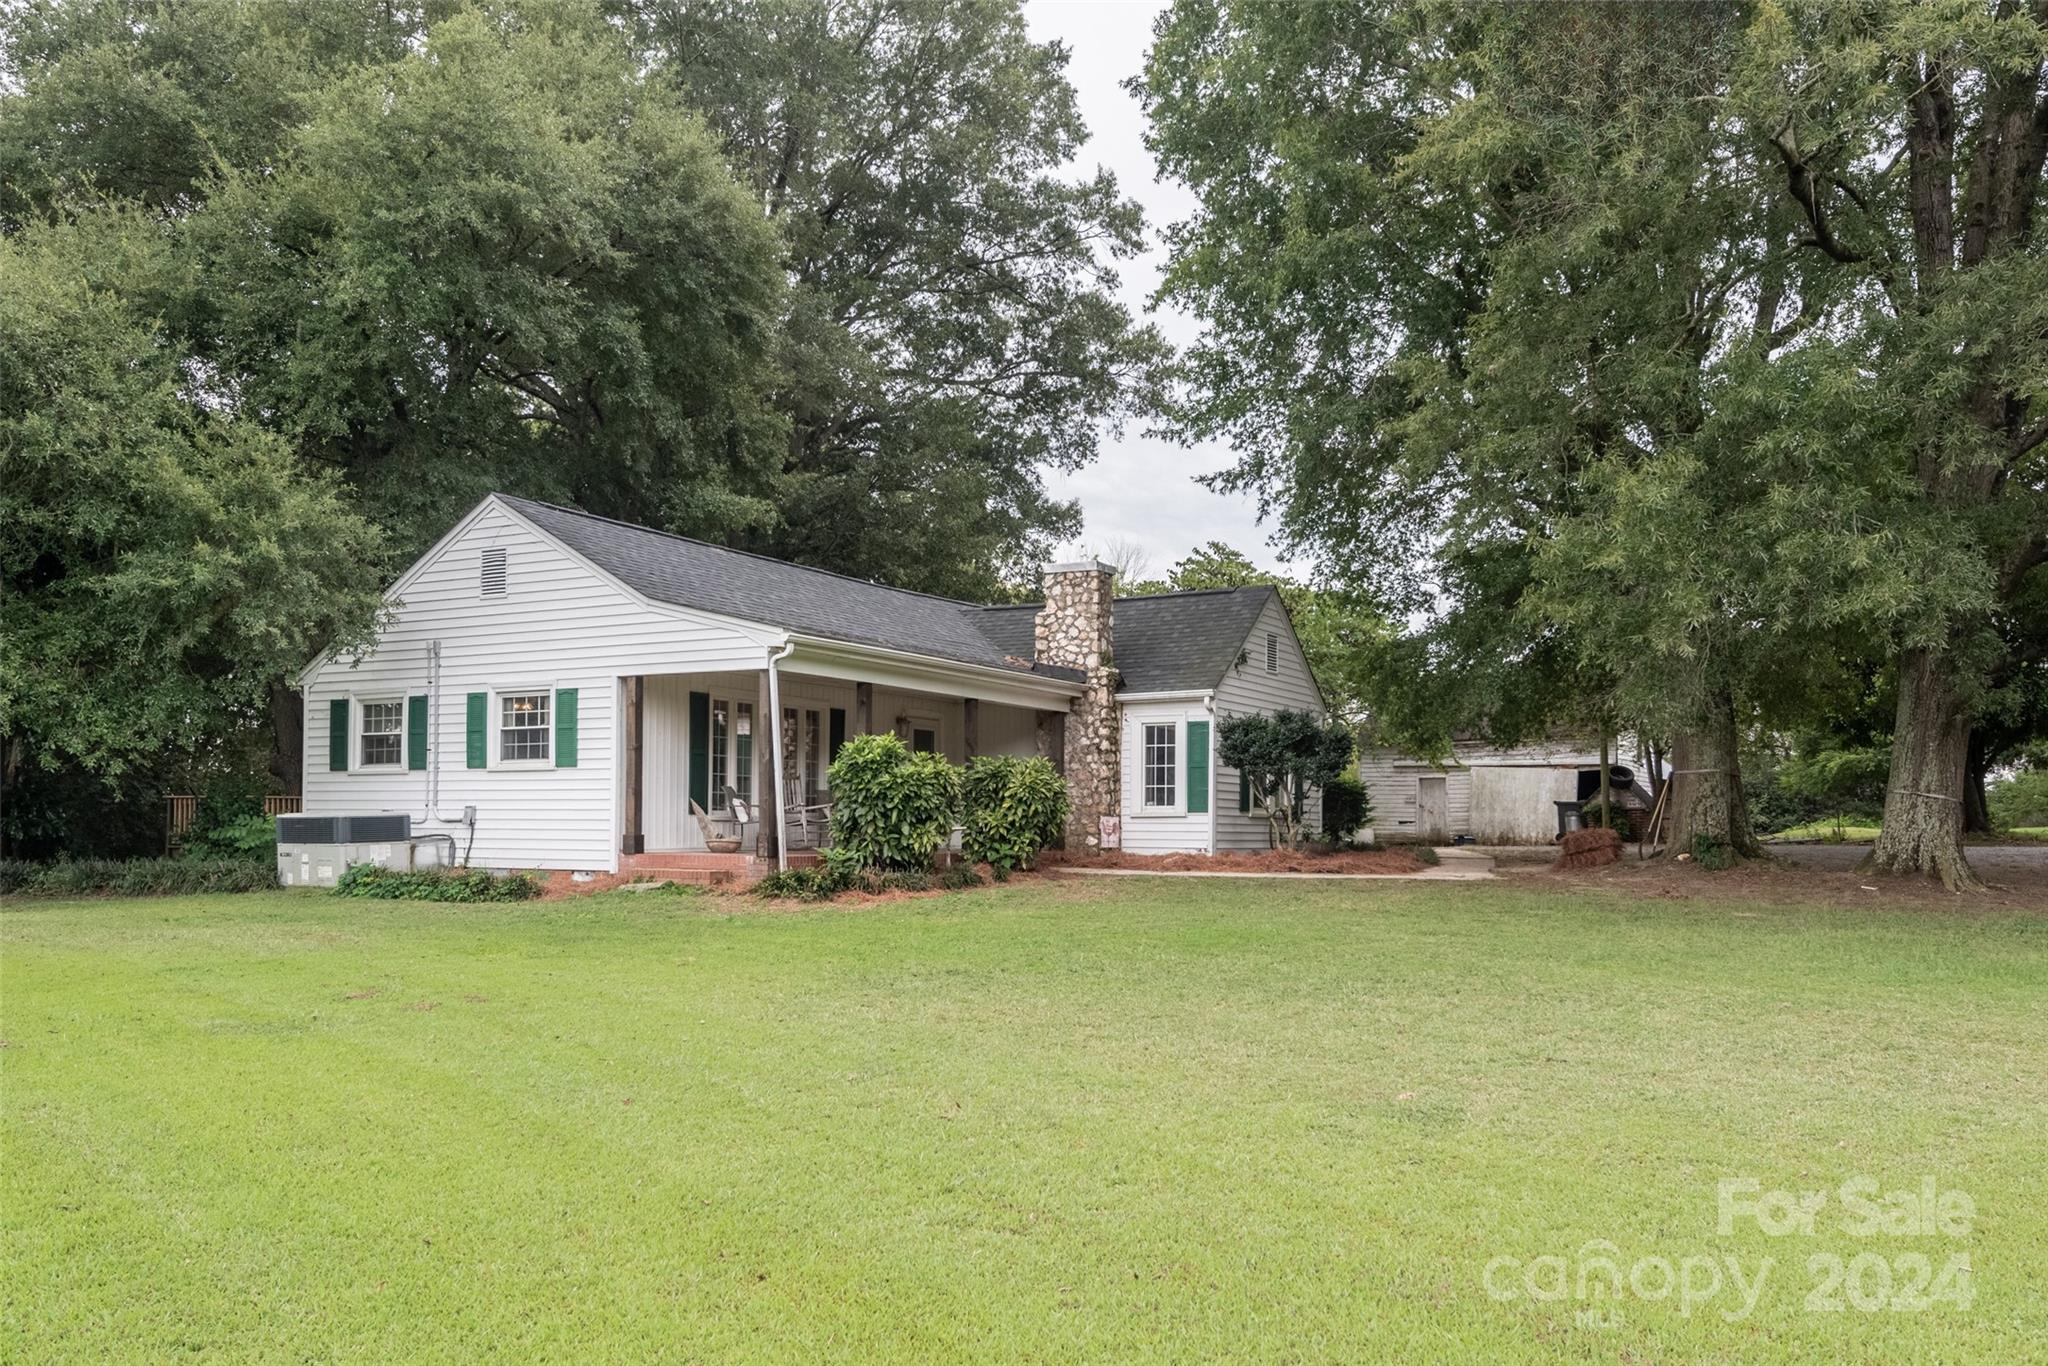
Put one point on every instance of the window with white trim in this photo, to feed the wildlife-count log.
(523, 731)
(1161, 763)
(381, 736)
(721, 764)
(812, 744)
(743, 752)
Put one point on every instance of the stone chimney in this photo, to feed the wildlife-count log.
(1076, 629)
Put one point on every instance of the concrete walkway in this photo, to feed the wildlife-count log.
(1456, 865)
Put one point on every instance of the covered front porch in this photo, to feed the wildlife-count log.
(744, 756)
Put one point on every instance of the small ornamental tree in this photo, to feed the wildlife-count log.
(890, 808)
(1282, 757)
(1347, 808)
(1012, 809)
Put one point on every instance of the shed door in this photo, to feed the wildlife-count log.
(1431, 808)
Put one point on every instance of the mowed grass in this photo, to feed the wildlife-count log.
(1110, 1119)
(1854, 833)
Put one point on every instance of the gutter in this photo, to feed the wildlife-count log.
(936, 664)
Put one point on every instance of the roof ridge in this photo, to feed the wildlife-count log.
(731, 550)
(1138, 597)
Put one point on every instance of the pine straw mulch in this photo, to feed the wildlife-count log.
(1383, 861)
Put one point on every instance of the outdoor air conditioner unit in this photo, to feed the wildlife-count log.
(314, 851)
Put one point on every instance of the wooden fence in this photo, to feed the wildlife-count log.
(179, 811)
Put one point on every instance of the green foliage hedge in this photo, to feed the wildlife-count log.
(891, 809)
(134, 877)
(250, 837)
(1012, 808)
(826, 880)
(2021, 800)
(437, 884)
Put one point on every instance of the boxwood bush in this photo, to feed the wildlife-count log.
(135, 877)
(436, 884)
(1012, 808)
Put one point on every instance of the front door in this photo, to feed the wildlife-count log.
(1432, 808)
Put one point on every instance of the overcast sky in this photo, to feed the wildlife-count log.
(1141, 489)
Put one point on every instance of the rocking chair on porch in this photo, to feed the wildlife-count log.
(808, 822)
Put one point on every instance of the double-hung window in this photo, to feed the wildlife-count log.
(721, 739)
(382, 743)
(523, 721)
(1162, 764)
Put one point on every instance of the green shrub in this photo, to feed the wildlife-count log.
(436, 884)
(1426, 855)
(1346, 808)
(891, 809)
(1012, 809)
(2020, 801)
(249, 836)
(135, 877)
(820, 882)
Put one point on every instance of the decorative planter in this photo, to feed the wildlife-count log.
(729, 845)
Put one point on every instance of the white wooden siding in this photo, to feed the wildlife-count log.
(1156, 832)
(559, 624)
(1246, 688)
(1495, 795)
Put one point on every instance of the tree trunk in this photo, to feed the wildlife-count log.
(287, 738)
(1923, 802)
(1707, 805)
(1976, 807)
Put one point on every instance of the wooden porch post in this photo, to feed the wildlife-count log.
(1052, 739)
(635, 834)
(973, 726)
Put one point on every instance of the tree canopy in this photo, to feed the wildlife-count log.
(1541, 323)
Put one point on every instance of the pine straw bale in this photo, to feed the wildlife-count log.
(1587, 849)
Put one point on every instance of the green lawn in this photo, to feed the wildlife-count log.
(1849, 832)
(1115, 1118)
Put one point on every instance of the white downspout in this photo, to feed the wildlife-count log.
(1215, 788)
(775, 752)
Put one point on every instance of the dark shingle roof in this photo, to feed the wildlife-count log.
(1172, 642)
(812, 602)
(1169, 642)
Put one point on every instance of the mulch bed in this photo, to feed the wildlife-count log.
(1249, 861)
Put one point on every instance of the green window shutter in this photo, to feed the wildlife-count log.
(838, 734)
(479, 730)
(1198, 767)
(565, 728)
(416, 732)
(1244, 791)
(700, 749)
(337, 735)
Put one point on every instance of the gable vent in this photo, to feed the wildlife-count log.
(1272, 653)
(493, 578)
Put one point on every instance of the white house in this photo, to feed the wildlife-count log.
(1491, 794)
(556, 689)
